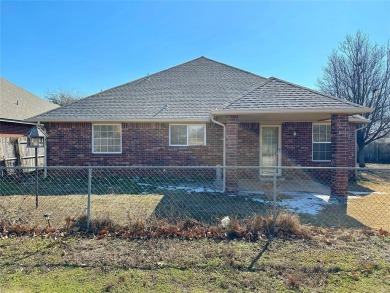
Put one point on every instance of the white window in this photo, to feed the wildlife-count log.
(322, 146)
(107, 138)
(185, 135)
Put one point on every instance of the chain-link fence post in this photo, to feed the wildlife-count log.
(89, 197)
(274, 202)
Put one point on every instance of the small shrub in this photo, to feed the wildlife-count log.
(95, 225)
(257, 226)
(289, 224)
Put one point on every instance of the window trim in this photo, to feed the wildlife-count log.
(312, 143)
(93, 139)
(186, 145)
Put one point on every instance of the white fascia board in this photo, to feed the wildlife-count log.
(17, 121)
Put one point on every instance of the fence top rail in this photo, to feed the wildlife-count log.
(192, 168)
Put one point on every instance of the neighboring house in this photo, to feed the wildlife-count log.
(205, 113)
(16, 105)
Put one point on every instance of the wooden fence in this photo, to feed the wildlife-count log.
(378, 152)
(14, 152)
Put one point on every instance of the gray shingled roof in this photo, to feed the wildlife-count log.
(277, 93)
(19, 104)
(187, 91)
(192, 91)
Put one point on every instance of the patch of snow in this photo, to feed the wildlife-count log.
(323, 197)
(359, 192)
(301, 202)
(189, 189)
(260, 200)
(350, 197)
(144, 184)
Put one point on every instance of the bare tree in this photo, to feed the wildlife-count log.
(62, 96)
(360, 72)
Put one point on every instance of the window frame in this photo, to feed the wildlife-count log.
(187, 135)
(93, 138)
(326, 142)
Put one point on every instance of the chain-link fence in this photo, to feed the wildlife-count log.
(62, 196)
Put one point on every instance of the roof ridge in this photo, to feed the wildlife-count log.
(190, 61)
(137, 81)
(230, 66)
(268, 80)
(317, 92)
(144, 78)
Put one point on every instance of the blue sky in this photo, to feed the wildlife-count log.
(87, 46)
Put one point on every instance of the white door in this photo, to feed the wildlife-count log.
(270, 143)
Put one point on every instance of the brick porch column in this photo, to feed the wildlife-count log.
(341, 149)
(231, 153)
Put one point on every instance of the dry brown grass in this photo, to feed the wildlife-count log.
(371, 210)
(118, 208)
(375, 180)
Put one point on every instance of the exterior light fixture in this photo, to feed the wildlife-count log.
(36, 137)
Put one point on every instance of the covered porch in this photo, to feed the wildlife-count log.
(283, 141)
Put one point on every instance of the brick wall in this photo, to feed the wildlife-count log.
(232, 153)
(248, 151)
(248, 141)
(297, 150)
(148, 144)
(342, 138)
(70, 144)
(17, 129)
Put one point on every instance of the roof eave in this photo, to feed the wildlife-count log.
(17, 121)
(143, 120)
(349, 111)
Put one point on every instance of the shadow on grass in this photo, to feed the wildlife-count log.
(259, 255)
(73, 185)
(333, 215)
(209, 208)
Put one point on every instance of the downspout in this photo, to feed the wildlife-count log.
(223, 152)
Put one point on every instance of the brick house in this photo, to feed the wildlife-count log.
(205, 113)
